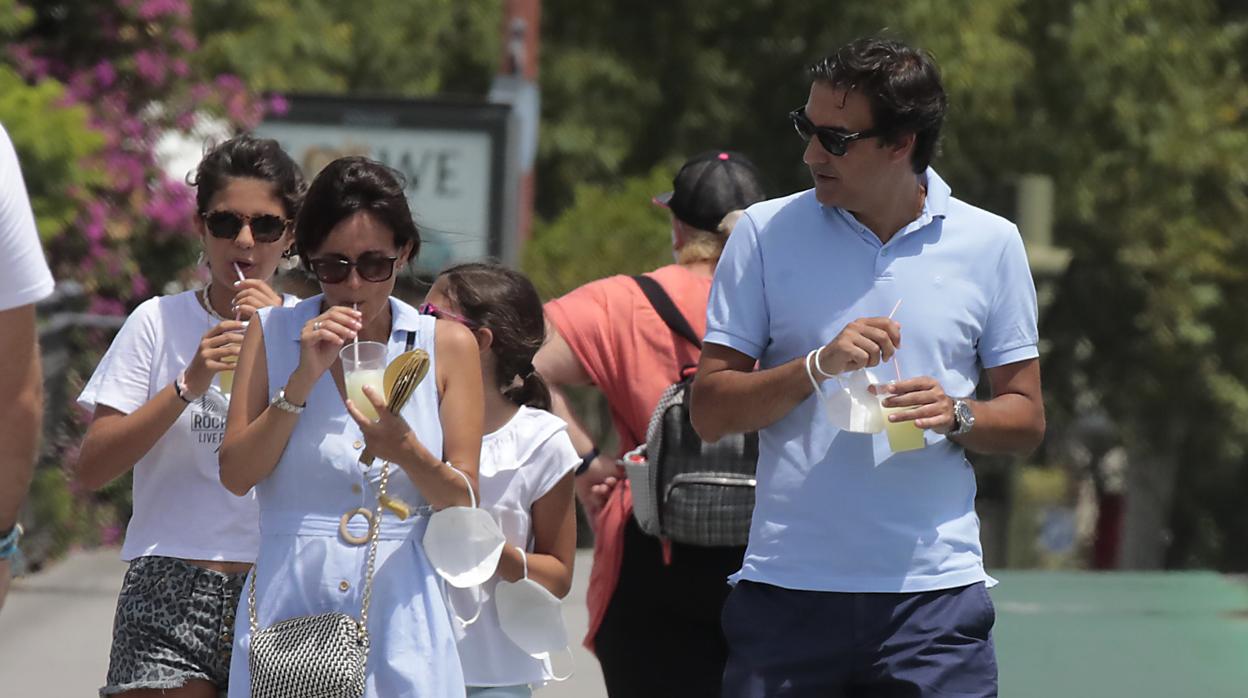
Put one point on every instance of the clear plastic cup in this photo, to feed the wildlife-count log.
(226, 378)
(902, 436)
(364, 363)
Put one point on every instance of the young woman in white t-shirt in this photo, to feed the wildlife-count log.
(159, 397)
(526, 469)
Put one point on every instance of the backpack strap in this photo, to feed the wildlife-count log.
(667, 310)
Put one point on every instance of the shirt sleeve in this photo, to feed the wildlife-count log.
(583, 319)
(1010, 334)
(737, 315)
(551, 461)
(27, 278)
(122, 380)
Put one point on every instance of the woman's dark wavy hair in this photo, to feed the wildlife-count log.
(506, 302)
(348, 186)
(901, 83)
(250, 158)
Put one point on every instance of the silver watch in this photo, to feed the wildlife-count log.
(963, 418)
(280, 402)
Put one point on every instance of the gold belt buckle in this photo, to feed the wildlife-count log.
(347, 535)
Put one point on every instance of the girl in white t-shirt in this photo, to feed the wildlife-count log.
(159, 397)
(527, 462)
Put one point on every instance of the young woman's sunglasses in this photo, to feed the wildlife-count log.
(435, 311)
(226, 225)
(371, 266)
(834, 141)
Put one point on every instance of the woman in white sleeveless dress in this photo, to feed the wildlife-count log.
(289, 434)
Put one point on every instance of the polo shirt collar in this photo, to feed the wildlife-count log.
(935, 205)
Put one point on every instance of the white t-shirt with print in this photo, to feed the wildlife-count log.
(181, 509)
(26, 278)
(520, 463)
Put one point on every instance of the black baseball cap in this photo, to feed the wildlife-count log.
(710, 186)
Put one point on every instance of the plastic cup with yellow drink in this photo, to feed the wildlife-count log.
(364, 363)
(902, 436)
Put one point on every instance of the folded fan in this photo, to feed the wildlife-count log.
(403, 375)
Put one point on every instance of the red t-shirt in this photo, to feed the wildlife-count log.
(632, 357)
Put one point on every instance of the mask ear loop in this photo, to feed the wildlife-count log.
(472, 497)
(477, 599)
(524, 559)
(555, 678)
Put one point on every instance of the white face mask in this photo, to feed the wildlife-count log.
(531, 616)
(463, 543)
(849, 404)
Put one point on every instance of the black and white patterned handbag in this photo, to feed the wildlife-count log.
(318, 656)
(685, 489)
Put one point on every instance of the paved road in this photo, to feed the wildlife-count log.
(1058, 634)
(55, 629)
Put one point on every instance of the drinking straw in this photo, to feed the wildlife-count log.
(896, 362)
(356, 341)
(238, 312)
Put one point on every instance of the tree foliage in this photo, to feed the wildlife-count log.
(87, 90)
(411, 48)
(52, 138)
(606, 230)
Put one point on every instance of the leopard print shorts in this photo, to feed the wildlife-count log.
(174, 623)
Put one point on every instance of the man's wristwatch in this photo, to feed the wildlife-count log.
(963, 418)
(280, 402)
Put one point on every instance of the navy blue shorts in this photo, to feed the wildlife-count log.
(813, 644)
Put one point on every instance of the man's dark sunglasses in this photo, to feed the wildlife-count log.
(226, 225)
(833, 140)
(371, 266)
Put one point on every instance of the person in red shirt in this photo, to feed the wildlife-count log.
(654, 623)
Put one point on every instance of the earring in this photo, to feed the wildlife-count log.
(199, 261)
(289, 260)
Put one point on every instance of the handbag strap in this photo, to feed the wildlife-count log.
(667, 310)
(374, 529)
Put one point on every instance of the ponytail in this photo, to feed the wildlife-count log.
(532, 391)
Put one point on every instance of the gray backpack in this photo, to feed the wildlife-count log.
(685, 489)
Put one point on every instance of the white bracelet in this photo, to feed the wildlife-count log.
(813, 383)
(819, 368)
(184, 393)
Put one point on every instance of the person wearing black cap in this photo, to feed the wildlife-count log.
(654, 618)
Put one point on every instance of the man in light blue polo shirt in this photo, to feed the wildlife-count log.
(864, 574)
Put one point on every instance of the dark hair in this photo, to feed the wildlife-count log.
(505, 302)
(901, 83)
(348, 186)
(253, 158)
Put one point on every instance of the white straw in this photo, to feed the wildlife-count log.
(237, 312)
(356, 341)
(896, 362)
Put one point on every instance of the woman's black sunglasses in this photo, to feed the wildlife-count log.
(226, 225)
(834, 141)
(371, 266)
